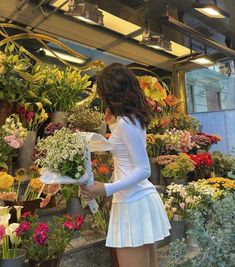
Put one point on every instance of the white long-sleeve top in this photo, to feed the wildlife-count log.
(131, 163)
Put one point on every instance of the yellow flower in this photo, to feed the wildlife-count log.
(6, 180)
(36, 184)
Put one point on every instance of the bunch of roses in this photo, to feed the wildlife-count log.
(202, 160)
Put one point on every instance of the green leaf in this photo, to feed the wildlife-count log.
(11, 48)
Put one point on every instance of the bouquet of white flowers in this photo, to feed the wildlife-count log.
(65, 158)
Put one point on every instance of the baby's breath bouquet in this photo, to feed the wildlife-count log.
(64, 152)
(65, 159)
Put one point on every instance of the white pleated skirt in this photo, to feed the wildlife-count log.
(137, 223)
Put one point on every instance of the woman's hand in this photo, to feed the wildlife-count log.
(92, 192)
(109, 118)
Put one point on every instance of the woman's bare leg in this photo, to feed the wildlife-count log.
(134, 257)
(153, 255)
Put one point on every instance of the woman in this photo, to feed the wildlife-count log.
(138, 218)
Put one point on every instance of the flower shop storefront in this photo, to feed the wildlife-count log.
(53, 139)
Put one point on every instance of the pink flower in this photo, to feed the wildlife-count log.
(14, 141)
(2, 232)
(25, 215)
(69, 225)
(29, 116)
(40, 233)
(78, 222)
(23, 228)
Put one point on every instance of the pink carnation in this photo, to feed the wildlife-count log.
(40, 233)
(25, 215)
(23, 228)
(69, 225)
(14, 141)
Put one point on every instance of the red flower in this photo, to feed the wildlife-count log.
(23, 228)
(202, 160)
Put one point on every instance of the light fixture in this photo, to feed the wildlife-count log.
(211, 10)
(202, 60)
(155, 40)
(85, 12)
(63, 56)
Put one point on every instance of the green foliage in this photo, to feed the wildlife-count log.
(222, 163)
(214, 232)
(61, 86)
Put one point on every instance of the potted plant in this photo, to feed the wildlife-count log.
(10, 254)
(71, 193)
(178, 170)
(44, 242)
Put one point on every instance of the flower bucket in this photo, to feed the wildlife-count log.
(155, 177)
(25, 152)
(60, 116)
(177, 230)
(28, 206)
(18, 261)
(45, 263)
(74, 207)
(6, 109)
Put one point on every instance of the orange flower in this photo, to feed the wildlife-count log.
(103, 169)
(36, 184)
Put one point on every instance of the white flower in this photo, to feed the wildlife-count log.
(3, 210)
(11, 232)
(4, 219)
(18, 211)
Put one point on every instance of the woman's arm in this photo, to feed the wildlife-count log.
(135, 143)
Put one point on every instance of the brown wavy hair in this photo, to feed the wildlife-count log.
(119, 88)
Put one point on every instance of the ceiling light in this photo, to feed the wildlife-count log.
(154, 40)
(85, 12)
(202, 60)
(66, 57)
(211, 10)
